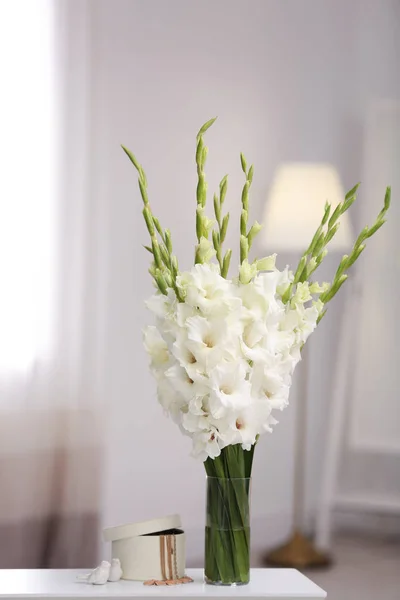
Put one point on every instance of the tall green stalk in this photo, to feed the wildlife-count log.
(227, 543)
(164, 268)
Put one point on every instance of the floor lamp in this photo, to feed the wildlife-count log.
(292, 214)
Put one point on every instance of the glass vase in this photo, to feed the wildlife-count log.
(227, 536)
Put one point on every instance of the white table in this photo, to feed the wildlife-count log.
(273, 584)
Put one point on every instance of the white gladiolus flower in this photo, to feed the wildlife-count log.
(209, 340)
(280, 342)
(206, 444)
(267, 283)
(193, 423)
(254, 332)
(268, 383)
(162, 306)
(158, 305)
(229, 388)
(254, 301)
(308, 321)
(185, 357)
(285, 279)
(206, 290)
(265, 380)
(183, 312)
(181, 381)
(246, 423)
(199, 406)
(171, 401)
(224, 356)
(302, 294)
(156, 347)
(280, 399)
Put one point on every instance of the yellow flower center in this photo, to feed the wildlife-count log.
(208, 341)
(226, 389)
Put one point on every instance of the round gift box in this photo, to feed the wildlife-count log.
(149, 549)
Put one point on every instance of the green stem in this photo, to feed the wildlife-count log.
(166, 263)
(222, 223)
(228, 515)
(348, 260)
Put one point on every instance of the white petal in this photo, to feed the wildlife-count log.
(181, 381)
(156, 346)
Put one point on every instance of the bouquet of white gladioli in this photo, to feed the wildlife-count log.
(223, 359)
(223, 350)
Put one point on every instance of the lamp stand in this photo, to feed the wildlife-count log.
(299, 552)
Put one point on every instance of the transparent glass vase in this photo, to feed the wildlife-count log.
(227, 539)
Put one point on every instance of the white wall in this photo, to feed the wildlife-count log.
(289, 81)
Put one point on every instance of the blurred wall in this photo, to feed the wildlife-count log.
(289, 81)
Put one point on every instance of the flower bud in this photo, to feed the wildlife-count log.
(226, 263)
(243, 162)
(199, 151)
(335, 215)
(254, 230)
(161, 283)
(244, 248)
(224, 227)
(156, 253)
(267, 263)
(206, 126)
(247, 271)
(149, 220)
(168, 241)
(217, 209)
(245, 196)
(326, 213)
(250, 174)
(316, 288)
(331, 233)
(223, 187)
(204, 251)
(143, 192)
(243, 222)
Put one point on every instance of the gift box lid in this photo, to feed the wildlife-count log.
(120, 532)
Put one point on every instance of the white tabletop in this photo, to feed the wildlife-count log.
(273, 584)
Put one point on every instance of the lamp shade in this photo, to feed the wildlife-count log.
(296, 205)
